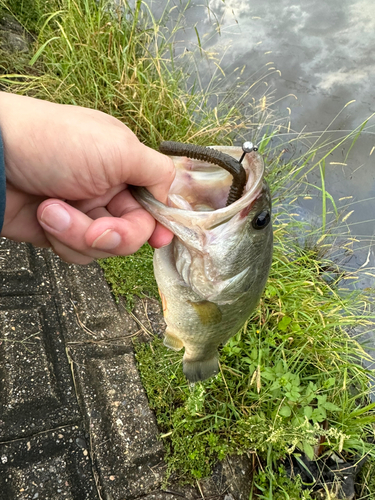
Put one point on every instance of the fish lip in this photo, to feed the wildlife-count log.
(209, 220)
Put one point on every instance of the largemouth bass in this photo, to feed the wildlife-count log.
(212, 275)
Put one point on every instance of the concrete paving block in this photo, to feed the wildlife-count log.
(63, 336)
(94, 301)
(88, 308)
(50, 466)
(123, 430)
(36, 387)
(238, 471)
(23, 270)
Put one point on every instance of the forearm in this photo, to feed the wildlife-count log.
(2, 184)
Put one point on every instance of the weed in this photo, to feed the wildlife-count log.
(291, 380)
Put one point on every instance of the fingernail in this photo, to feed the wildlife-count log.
(165, 244)
(56, 217)
(107, 241)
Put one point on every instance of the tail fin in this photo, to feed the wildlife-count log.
(196, 371)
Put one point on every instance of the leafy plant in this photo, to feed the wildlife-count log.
(291, 380)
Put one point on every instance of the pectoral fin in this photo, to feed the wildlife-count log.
(208, 312)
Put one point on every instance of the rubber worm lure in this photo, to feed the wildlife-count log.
(211, 155)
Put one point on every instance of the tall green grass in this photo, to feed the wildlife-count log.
(121, 61)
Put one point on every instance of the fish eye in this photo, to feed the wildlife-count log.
(261, 220)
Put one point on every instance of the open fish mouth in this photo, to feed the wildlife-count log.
(211, 155)
(212, 275)
(200, 187)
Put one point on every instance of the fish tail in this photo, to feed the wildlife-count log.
(196, 371)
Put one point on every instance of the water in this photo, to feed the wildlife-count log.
(318, 59)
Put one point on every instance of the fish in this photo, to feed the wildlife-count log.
(213, 273)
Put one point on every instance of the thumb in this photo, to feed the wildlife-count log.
(152, 170)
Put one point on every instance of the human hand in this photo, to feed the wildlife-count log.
(67, 172)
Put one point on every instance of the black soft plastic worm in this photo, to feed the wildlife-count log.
(211, 155)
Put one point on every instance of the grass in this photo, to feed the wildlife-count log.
(292, 376)
(121, 61)
(366, 481)
(131, 276)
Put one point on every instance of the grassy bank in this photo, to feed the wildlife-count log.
(292, 381)
(121, 61)
(291, 378)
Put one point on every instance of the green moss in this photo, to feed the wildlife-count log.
(131, 275)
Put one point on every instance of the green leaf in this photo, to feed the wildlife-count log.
(329, 382)
(309, 450)
(308, 411)
(319, 414)
(283, 323)
(279, 368)
(285, 411)
(254, 354)
(247, 360)
(362, 410)
(295, 327)
(40, 50)
(331, 407)
(268, 374)
(292, 395)
(322, 399)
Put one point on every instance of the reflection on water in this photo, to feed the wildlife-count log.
(318, 58)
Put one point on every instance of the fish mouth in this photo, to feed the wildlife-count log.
(198, 195)
(211, 155)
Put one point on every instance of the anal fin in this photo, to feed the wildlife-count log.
(171, 341)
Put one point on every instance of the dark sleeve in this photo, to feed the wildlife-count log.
(2, 183)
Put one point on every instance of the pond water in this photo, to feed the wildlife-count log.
(319, 57)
